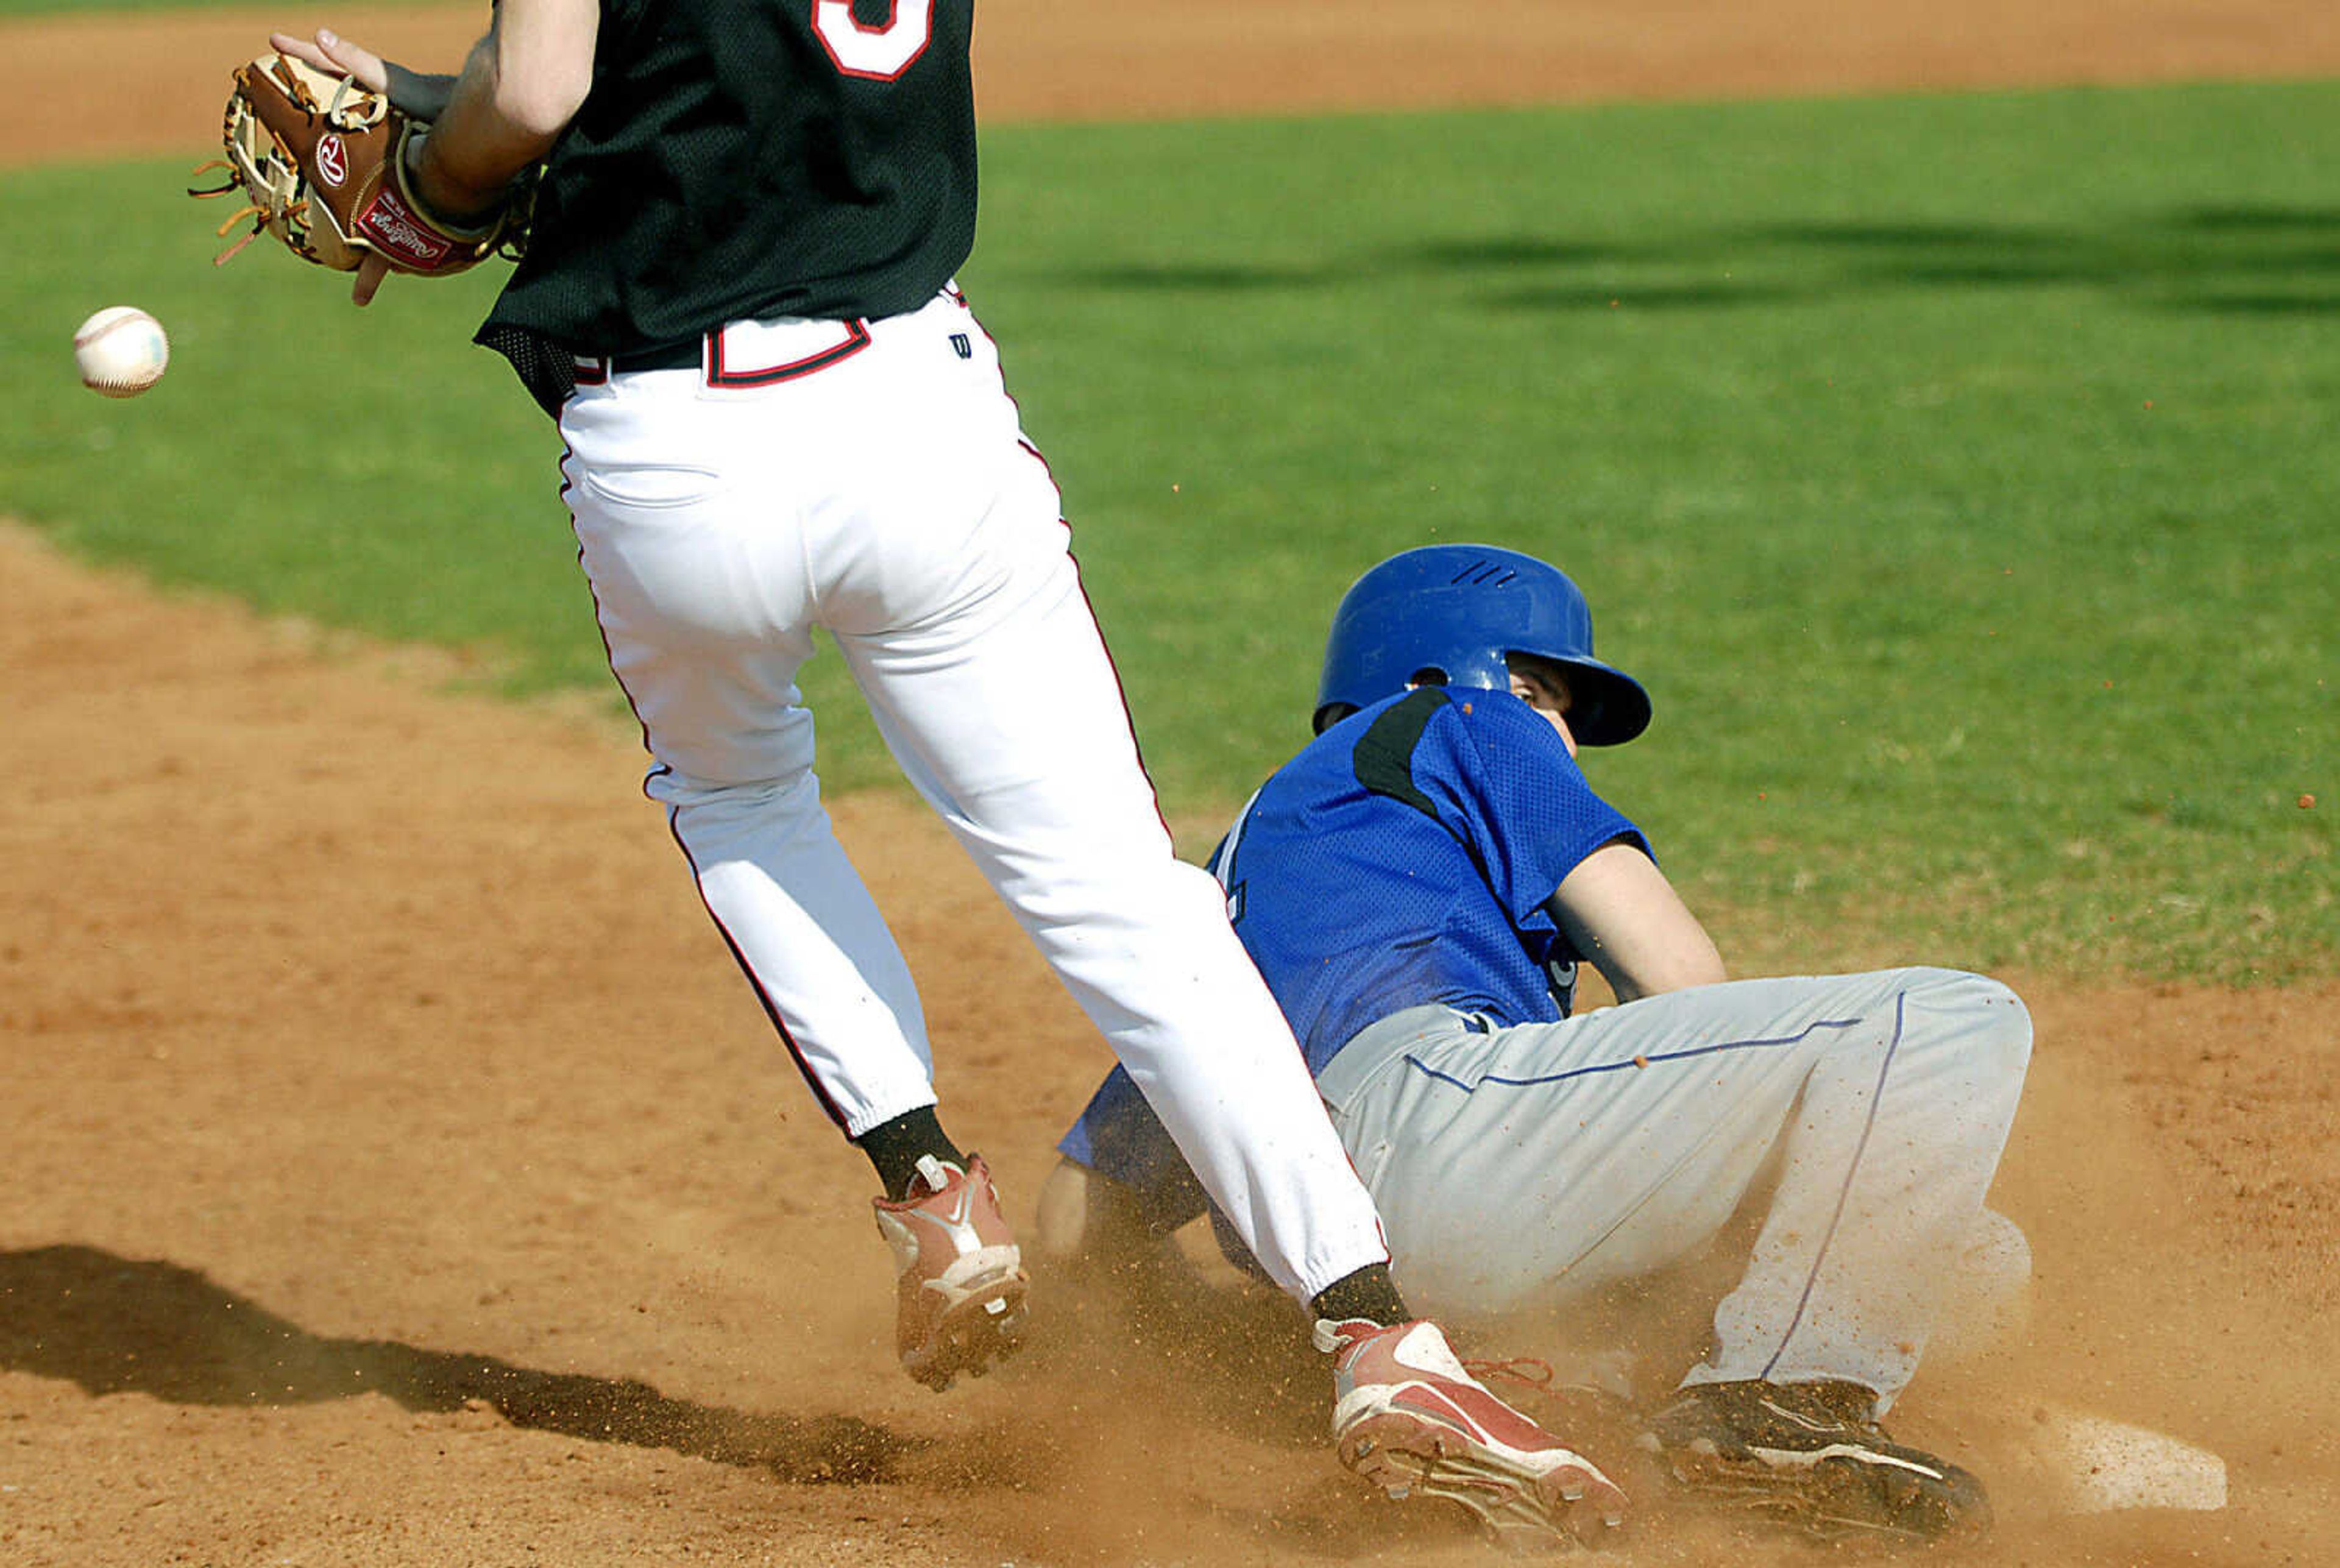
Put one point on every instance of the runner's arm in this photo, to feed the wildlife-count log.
(1627, 921)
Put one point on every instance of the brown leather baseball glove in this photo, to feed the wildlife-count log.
(322, 164)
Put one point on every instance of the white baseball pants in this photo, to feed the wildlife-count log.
(1541, 1162)
(871, 479)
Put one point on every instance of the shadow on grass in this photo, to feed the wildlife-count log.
(2323, 221)
(1212, 278)
(122, 1325)
(2262, 305)
(2256, 260)
(2262, 260)
(1723, 294)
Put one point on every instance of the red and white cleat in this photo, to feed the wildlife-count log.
(958, 1272)
(1409, 1417)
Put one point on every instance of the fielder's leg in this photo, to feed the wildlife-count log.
(706, 602)
(1005, 711)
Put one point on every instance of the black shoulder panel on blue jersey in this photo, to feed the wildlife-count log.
(1384, 752)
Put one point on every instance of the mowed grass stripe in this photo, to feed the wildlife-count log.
(1957, 470)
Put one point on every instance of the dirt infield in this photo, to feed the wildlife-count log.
(1077, 58)
(399, 1172)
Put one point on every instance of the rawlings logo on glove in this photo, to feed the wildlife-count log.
(405, 241)
(321, 163)
(332, 160)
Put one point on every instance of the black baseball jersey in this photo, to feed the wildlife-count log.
(752, 158)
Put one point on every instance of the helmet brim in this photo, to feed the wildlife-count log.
(1606, 707)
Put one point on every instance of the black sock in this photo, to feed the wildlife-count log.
(895, 1148)
(1368, 1294)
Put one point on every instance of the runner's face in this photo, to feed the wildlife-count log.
(1544, 688)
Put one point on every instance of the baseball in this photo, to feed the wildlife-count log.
(122, 350)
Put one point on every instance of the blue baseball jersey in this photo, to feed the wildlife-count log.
(1406, 856)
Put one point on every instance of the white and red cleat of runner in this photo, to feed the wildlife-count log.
(960, 1273)
(1408, 1416)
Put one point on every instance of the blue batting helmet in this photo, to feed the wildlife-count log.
(1447, 614)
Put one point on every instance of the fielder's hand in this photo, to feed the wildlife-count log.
(323, 159)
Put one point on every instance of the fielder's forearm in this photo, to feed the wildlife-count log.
(421, 94)
(517, 91)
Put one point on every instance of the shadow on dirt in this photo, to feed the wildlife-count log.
(122, 1325)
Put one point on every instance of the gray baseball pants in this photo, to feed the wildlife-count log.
(1523, 1166)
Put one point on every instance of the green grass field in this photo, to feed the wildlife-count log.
(1959, 472)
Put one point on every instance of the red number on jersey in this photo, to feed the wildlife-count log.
(880, 54)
